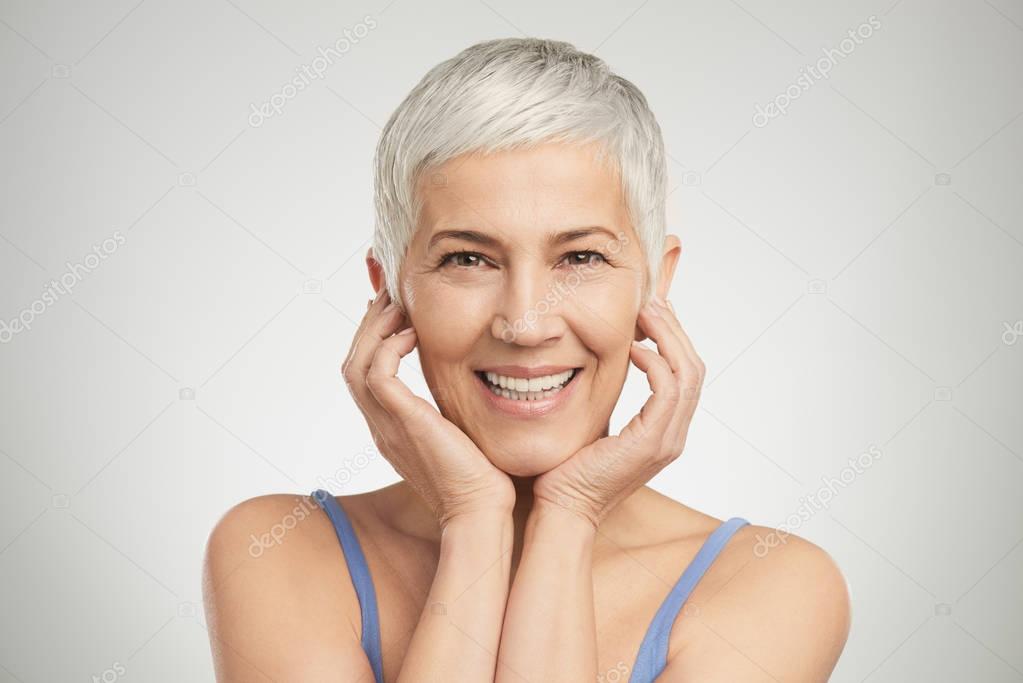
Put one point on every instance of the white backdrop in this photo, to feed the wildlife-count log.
(181, 273)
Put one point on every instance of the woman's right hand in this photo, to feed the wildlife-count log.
(431, 453)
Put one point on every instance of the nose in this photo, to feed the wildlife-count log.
(528, 312)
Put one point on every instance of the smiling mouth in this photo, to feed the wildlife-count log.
(520, 389)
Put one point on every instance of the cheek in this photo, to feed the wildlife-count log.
(447, 321)
(604, 317)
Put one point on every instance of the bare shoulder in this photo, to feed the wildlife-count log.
(279, 602)
(776, 609)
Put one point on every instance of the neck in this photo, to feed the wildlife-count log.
(523, 501)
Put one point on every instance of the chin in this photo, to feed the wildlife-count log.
(529, 460)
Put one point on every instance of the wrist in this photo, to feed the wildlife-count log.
(476, 524)
(569, 520)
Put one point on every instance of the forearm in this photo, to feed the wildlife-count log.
(549, 631)
(459, 630)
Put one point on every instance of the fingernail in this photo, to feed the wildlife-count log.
(407, 330)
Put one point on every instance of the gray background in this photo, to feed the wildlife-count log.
(851, 274)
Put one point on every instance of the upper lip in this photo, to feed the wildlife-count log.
(525, 372)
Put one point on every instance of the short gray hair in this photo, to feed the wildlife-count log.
(508, 93)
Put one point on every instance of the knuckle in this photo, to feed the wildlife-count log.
(349, 376)
(667, 456)
(372, 380)
(673, 393)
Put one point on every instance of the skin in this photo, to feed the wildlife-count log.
(519, 549)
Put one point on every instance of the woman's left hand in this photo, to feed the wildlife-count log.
(601, 474)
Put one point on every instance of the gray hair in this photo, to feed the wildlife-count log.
(508, 93)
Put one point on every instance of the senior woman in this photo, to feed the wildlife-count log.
(520, 245)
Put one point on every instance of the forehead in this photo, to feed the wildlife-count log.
(545, 187)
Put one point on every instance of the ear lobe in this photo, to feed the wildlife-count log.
(672, 251)
(376, 271)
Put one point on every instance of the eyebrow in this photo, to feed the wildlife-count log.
(553, 238)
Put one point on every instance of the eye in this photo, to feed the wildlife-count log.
(470, 259)
(588, 258)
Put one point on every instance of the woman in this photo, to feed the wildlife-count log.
(520, 246)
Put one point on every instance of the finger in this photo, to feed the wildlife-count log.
(669, 345)
(663, 387)
(668, 312)
(374, 307)
(379, 323)
(660, 432)
(689, 369)
(391, 393)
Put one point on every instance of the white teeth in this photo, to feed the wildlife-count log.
(522, 389)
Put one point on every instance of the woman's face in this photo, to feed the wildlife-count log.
(524, 265)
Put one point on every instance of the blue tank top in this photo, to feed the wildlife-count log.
(653, 651)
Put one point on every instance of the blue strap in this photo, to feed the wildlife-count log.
(359, 571)
(653, 651)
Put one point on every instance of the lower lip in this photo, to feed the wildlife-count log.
(538, 408)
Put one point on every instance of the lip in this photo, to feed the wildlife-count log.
(527, 373)
(527, 409)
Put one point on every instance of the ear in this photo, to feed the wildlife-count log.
(672, 251)
(376, 271)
